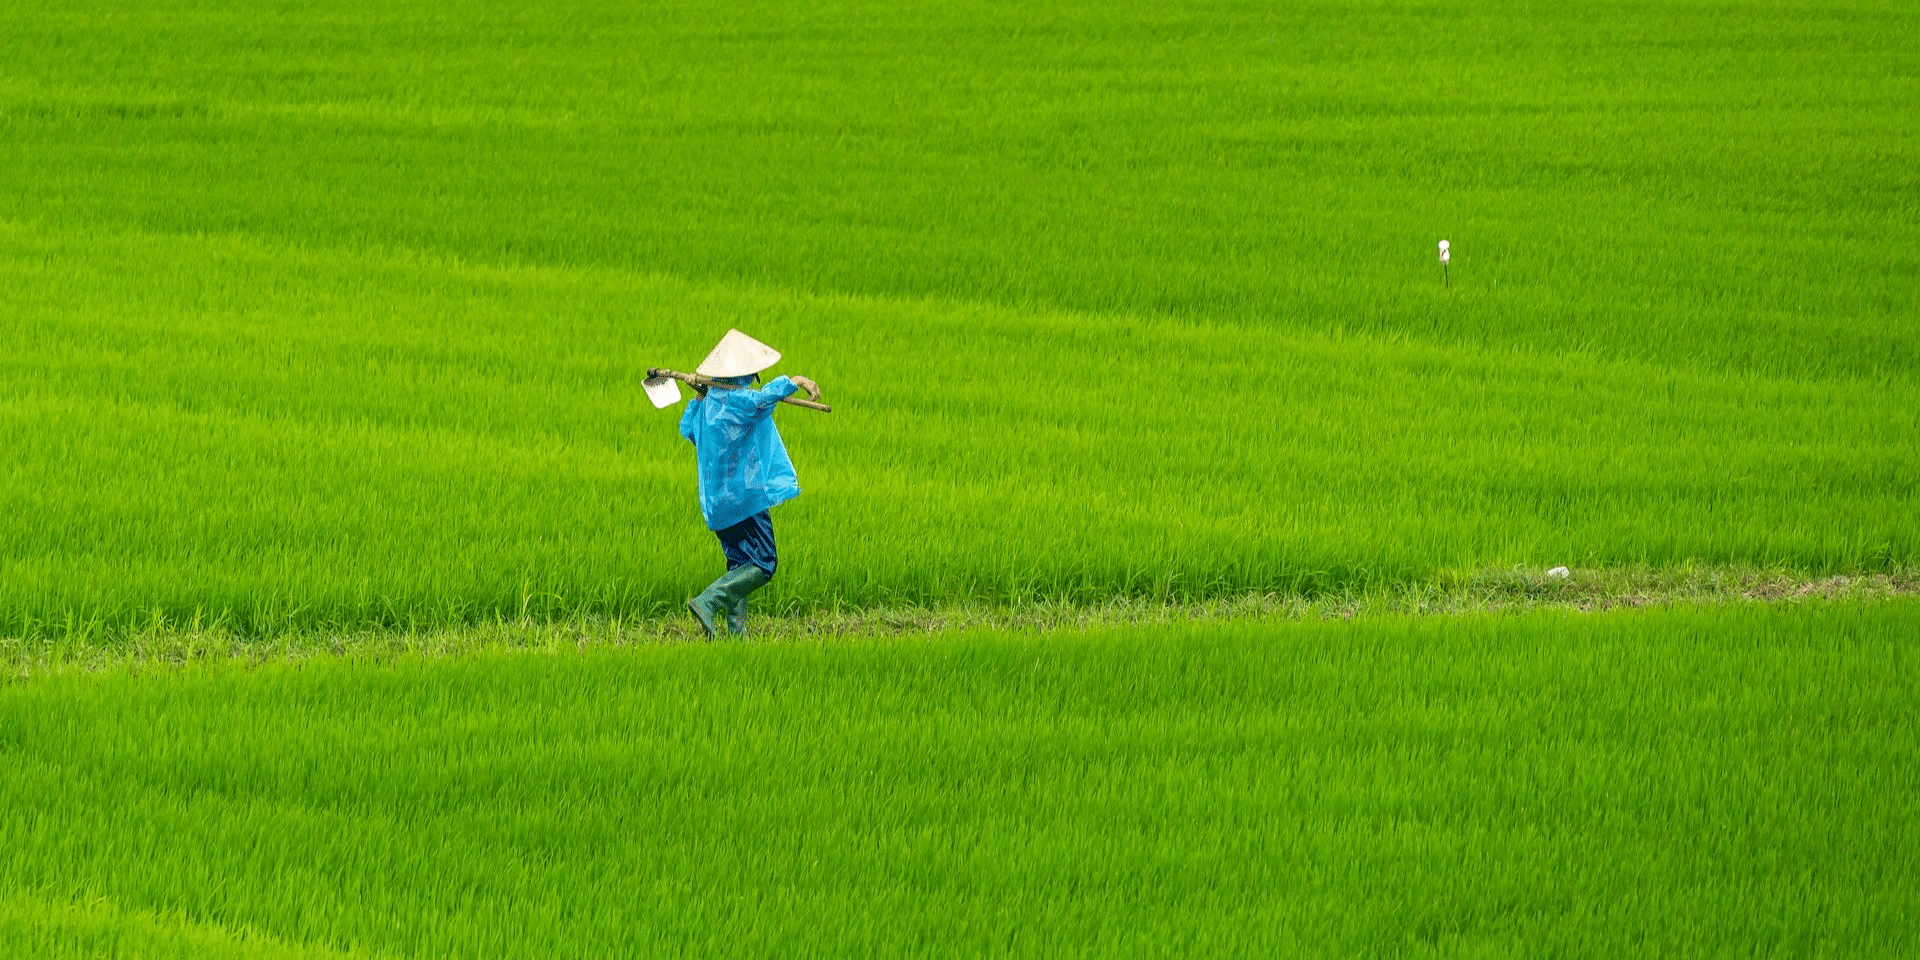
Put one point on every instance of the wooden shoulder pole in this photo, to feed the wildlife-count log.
(696, 380)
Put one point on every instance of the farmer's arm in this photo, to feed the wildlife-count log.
(776, 390)
(687, 419)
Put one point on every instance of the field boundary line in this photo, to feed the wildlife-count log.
(1495, 592)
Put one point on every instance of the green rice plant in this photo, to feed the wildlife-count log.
(30, 927)
(333, 316)
(1725, 781)
(1701, 184)
(278, 439)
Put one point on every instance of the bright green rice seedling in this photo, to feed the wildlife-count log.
(335, 314)
(1721, 782)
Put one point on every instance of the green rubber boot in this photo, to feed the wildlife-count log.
(722, 597)
(737, 612)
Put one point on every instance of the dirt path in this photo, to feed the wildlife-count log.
(1514, 591)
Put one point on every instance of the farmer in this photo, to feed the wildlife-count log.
(744, 471)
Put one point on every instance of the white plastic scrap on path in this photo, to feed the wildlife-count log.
(1561, 572)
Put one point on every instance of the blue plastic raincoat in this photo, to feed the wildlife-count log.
(744, 467)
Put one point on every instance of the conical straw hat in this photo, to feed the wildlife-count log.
(738, 355)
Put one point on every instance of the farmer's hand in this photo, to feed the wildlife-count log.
(807, 384)
(699, 390)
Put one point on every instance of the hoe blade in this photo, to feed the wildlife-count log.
(663, 391)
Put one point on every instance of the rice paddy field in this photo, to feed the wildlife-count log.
(335, 314)
(325, 320)
(1725, 782)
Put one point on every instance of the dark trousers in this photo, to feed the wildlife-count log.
(750, 541)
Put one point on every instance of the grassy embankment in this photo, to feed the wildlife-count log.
(332, 316)
(1734, 781)
(1513, 592)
